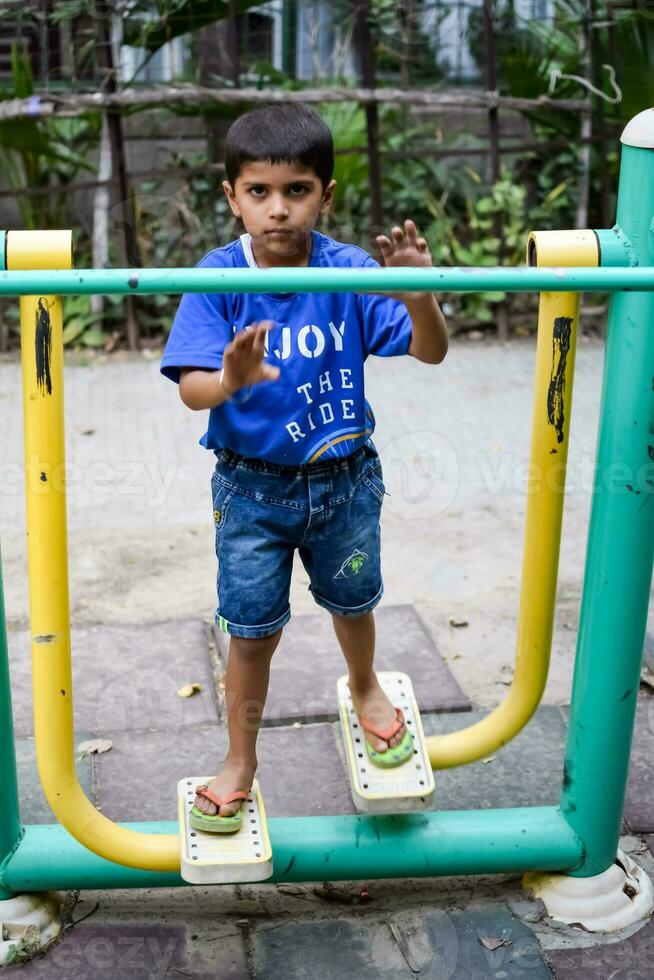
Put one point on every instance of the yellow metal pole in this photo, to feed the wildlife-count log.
(43, 405)
(558, 316)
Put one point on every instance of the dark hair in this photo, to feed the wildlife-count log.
(286, 132)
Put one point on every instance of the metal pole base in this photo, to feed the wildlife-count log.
(27, 924)
(612, 900)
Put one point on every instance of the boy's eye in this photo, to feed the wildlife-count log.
(258, 190)
(298, 189)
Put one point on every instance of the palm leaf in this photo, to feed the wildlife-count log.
(177, 17)
(633, 48)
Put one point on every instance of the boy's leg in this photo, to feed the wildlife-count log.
(246, 687)
(356, 636)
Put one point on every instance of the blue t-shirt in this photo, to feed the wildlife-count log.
(317, 408)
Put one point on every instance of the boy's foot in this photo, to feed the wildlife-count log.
(372, 704)
(234, 775)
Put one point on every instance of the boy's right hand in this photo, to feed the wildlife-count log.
(243, 362)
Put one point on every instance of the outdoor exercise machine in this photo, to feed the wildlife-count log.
(570, 851)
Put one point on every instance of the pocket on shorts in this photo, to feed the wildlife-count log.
(221, 493)
(373, 480)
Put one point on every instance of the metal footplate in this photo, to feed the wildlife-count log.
(222, 858)
(401, 789)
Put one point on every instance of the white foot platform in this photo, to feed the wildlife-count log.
(210, 858)
(401, 789)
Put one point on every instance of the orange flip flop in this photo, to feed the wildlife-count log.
(216, 823)
(396, 754)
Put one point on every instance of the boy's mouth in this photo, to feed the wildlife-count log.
(285, 232)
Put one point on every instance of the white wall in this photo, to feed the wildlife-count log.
(164, 66)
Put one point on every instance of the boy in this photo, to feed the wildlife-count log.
(282, 376)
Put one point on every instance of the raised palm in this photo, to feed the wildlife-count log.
(404, 248)
(243, 358)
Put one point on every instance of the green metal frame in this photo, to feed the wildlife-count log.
(578, 837)
(338, 848)
(10, 828)
(620, 548)
(310, 280)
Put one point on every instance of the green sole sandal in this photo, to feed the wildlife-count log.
(217, 824)
(395, 755)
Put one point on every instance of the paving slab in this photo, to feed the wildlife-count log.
(432, 944)
(631, 959)
(137, 778)
(300, 770)
(309, 661)
(125, 677)
(104, 951)
(639, 802)
(34, 807)
(526, 772)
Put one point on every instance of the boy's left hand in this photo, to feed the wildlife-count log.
(405, 249)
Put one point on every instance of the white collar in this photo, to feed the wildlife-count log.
(246, 242)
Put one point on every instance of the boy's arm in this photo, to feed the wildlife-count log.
(199, 388)
(200, 332)
(430, 341)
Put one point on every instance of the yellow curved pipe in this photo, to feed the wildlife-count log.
(43, 405)
(558, 315)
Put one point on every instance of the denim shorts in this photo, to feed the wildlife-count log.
(263, 511)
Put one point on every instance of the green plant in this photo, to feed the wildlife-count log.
(352, 198)
(42, 154)
(468, 237)
(83, 327)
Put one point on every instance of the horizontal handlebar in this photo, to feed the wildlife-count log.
(306, 280)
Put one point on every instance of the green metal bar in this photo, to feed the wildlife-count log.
(338, 848)
(317, 280)
(9, 813)
(615, 249)
(620, 548)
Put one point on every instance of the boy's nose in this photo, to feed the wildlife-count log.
(278, 207)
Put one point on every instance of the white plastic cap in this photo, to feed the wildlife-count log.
(639, 131)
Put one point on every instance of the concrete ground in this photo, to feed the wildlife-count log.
(454, 443)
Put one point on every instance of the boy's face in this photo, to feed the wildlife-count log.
(279, 204)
